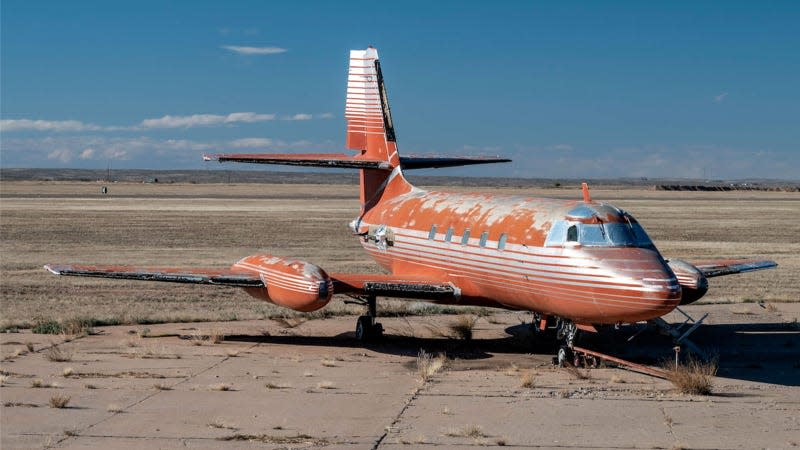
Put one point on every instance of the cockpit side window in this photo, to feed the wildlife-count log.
(604, 234)
(572, 233)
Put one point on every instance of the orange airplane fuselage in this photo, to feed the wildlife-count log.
(587, 261)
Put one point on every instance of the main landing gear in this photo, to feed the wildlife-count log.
(367, 329)
(566, 333)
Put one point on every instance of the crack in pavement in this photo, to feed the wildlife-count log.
(414, 395)
(397, 418)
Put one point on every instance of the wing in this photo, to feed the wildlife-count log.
(344, 283)
(716, 268)
(223, 277)
(394, 286)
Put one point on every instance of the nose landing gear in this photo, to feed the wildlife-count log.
(567, 332)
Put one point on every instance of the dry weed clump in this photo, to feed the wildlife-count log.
(161, 387)
(221, 387)
(527, 380)
(38, 383)
(512, 370)
(57, 354)
(328, 362)
(59, 401)
(217, 336)
(3, 379)
(303, 439)
(429, 365)
(198, 338)
(462, 328)
(694, 377)
(575, 372)
(326, 385)
(470, 431)
(114, 408)
(67, 372)
(222, 424)
(154, 352)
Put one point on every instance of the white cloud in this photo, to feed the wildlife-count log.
(245, 50)
(46, 125)
(62, 155)
(299, 117)
(168, 121)
(140, 151)
(251, 142)
(720, 98)
(205, 120)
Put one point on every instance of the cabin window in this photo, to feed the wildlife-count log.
(501, 244)
(572, 233)
(448, 235)
(465, 237)
(484, 238)
(432, 234)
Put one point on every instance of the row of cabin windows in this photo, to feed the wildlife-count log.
(448, 236)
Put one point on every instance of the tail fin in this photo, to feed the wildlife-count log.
(370, 128)
(370, 131)
(369, 120)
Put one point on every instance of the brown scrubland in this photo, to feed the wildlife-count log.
(213, 225)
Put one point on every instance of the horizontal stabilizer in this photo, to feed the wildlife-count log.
(223, 277)
(432, 162)
(308, 160)
(340, 160)
(718, 268)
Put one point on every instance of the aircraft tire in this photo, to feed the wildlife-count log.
(367, 330)
(563, 356)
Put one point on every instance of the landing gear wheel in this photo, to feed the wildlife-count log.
(564, 356)
(363, 328)
(367, 330)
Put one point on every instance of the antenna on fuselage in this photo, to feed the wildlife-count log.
(585, 189)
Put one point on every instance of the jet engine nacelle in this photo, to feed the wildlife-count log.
(693, 283)
(290, 283)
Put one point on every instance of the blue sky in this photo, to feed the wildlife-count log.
(566, 89)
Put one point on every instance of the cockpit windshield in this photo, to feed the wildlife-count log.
(612, 234)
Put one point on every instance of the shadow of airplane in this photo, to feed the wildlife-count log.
(760, 352)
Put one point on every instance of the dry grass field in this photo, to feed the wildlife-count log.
(216, 224)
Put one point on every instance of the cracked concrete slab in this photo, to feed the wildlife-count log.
(267, 386)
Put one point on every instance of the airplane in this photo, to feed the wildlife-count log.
(576, 264)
